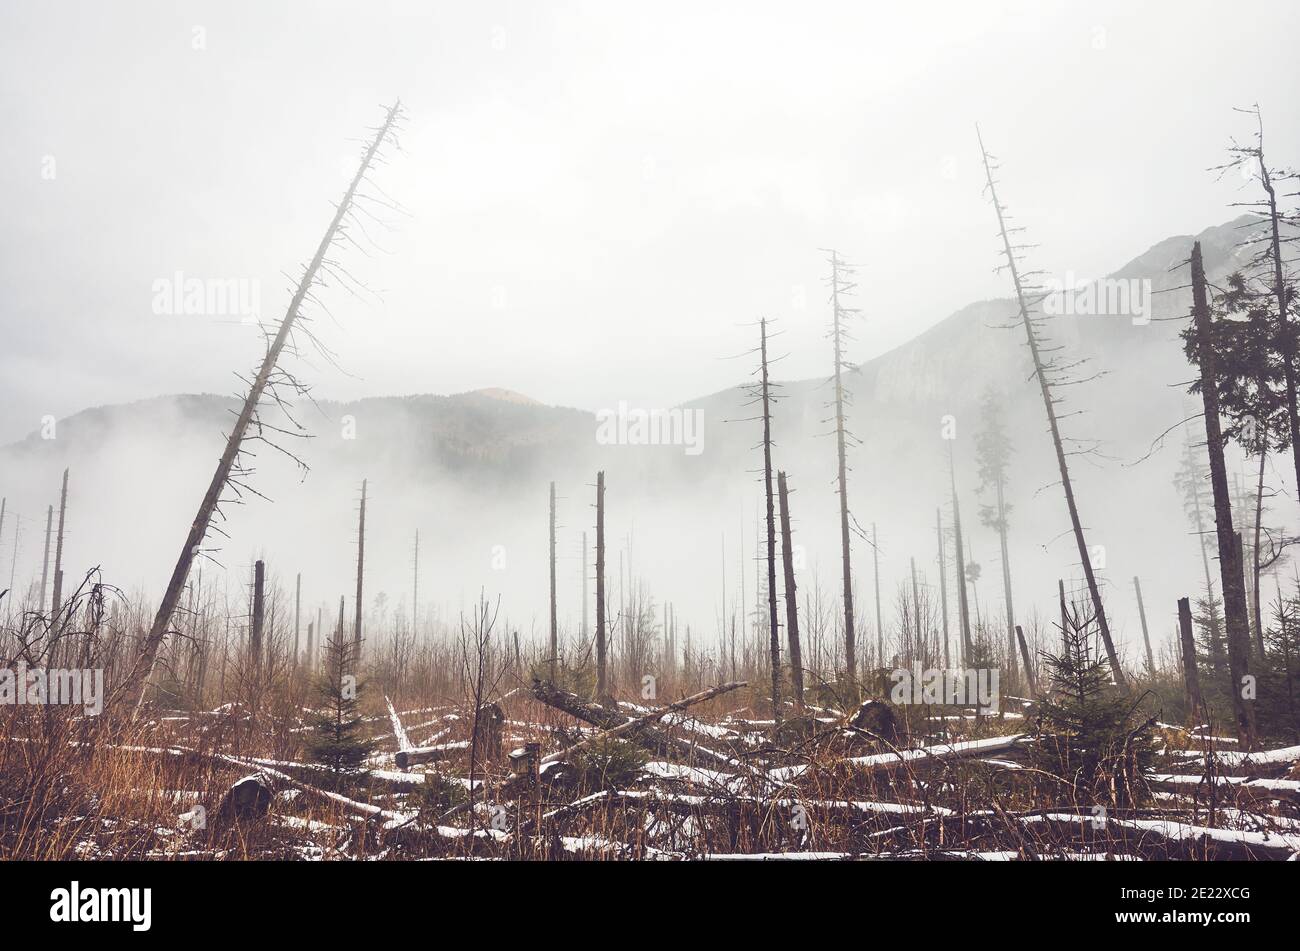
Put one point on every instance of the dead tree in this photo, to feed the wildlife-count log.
(963, 608)
(774, 635)
(791, 600)
(58, 549)
(600, 587)
(1191, 678)
(943, 585)
(1250, 159)
(1146, 636)
(415, 587)
(1049, 405)
(132, 688)
(585, 629)
(45, 563)
(880, 627)
(1029, 670)
(918, 636)
(257, 619)
(361, 567)
(297, 615)
(840, 285)
(1234, 588)
(555, 626)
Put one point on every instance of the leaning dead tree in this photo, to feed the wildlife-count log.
(45, 563)
(1235, 613)
(58, 549)
(270, 376)
(791, 598)
(840, 285)
(1041, 372)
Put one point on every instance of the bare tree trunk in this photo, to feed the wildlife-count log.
(943, 586)
(1234, 594)
(45, 564)
(963, 608)
(1049, 405)
(555, 627)
(1146, 636)
(1029, 670)
(601, 685)
(415, 588)
(255, 628)
(133, 683)
(1191, 679)
(58, 549)
(775, 637)
(1006, 571)
(361, 567)
(918, 638)
(791, 600)
(585, 629)
(875, 570)
(297, 615)
(850, 641)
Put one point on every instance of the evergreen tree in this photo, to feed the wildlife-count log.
(334, 739)
(1279, 682)
(1086, 731)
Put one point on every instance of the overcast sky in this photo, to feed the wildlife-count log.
(601, 194)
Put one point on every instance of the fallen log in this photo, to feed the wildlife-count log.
(925, 756)
(652, 738)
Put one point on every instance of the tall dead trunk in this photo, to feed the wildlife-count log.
(1233, 584)
(1006, 571)
(415, 587)
(58, 549)
(791, 600)
(837, 335)
(132, 687)
(943, 585)
(297, 615)
(875, 570)
(555, 626)
(259, 611)
(1049, 406)
(963, 608)
(1191, 679)
(585, 629)
(918, 636)
(361, 568)
(600, 587)
(775, 637)
(45, 563)
(1146, 635)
